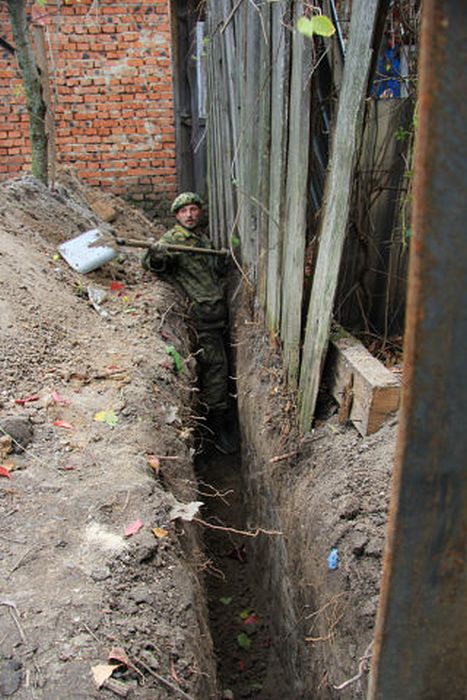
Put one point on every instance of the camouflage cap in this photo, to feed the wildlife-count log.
(185, 198)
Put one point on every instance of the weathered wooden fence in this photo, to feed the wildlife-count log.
(267, 162)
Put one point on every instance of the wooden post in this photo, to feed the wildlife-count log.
(347, 135)
(296, 200)
(419, 652)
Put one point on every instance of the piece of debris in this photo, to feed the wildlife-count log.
(171, 414)
(10, 677)
(333, 559)
(96, 297)
(185, 511)
(20, 431)
(6, 446)
(104, 210)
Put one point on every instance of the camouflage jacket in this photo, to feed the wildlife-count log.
(200, 277)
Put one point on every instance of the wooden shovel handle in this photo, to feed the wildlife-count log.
(134, 243)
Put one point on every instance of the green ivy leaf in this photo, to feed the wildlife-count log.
(318, 24)
(235, 241)
(226, 600)
(243, 640)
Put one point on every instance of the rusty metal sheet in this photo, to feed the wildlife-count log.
(420, 643)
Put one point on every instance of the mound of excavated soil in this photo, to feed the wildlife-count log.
(96, 394)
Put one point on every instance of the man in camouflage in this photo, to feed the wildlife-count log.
(199, 277)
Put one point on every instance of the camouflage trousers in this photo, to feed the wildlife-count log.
(209, 320)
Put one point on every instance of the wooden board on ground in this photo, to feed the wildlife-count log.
(365, 389)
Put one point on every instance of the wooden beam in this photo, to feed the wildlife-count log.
(347, 136)
(361, 384)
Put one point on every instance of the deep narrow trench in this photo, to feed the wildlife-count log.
(238, 606)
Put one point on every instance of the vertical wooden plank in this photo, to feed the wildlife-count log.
(227, 121)
(264, 133)
(248, 141)
(211, 125)
(347, 135)
(296, 197)
(280, 64)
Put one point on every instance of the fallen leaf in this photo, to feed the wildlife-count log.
(108, 417)
(226, 600)
(241, 665)
(185, 511)
(27, 399)
(133, 528)
(59, 399)
(159, 532)
(5, 472)
(116, 286)
(118, 654)
(10, 465)
(63, 424)
(173, 672)
(68, 468)
(251, 619)
(245, 613)
(102, 672)
(243, 640)
(154, 463)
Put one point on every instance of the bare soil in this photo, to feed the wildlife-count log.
(72, 585)
(106, 437)
(327, 490)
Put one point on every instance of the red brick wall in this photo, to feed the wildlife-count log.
(111, 73)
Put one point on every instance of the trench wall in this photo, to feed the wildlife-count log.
(110, 70)
(331, 492)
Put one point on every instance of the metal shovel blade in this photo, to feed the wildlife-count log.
(82, 253)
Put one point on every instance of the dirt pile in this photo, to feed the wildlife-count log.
(110, 446)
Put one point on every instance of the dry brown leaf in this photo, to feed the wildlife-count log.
(159, 532)
(102, 672)
(154, 463)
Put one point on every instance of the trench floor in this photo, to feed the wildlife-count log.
(239, 612)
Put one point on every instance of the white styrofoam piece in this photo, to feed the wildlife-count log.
(81, 257)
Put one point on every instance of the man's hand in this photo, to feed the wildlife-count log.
(157, 250)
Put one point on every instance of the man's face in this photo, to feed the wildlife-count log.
(189, 216)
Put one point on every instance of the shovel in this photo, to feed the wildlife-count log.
(92, 249)
(134, 243)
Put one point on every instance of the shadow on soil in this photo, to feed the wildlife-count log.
(238, 608)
